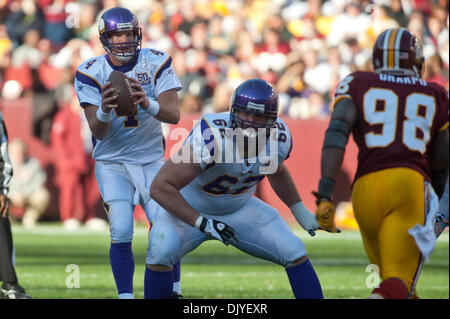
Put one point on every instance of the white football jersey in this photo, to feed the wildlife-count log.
(228, 181)
(132, 139)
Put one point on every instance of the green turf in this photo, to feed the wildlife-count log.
(213, 270)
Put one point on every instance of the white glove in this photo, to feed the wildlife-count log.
(217, 230)
(305, 218)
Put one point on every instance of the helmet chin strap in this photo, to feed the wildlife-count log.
(122, 58)
(417, 72)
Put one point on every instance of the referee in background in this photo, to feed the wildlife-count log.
(10, 288)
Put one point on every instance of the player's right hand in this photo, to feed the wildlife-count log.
(108, 98)
(325, 214)
(4, 205)
(139, 95)
(218, 230)
(441, 224)
(304, 217)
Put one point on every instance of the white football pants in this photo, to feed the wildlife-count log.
(123, 186)
(262, 233)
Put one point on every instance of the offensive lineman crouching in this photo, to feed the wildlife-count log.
(208, 199)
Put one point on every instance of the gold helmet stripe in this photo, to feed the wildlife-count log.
(386, 48)
(391, 49)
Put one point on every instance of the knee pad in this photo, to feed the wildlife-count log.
(293, 253)
(162, 250)
(165, 241)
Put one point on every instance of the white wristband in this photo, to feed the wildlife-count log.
(198, 222)
(153, 107)
(102, 116)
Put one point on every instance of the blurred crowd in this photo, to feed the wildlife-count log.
(304, 48)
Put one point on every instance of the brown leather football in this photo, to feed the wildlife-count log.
(123, 90)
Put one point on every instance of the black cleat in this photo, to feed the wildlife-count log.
(13, 291)
(176, 295)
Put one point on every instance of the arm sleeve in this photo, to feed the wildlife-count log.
(88, 89)
(285, 143)
(203, 142)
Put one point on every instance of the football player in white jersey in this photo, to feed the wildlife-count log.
(128, 150)
(205, 192)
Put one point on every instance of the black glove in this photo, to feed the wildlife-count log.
(217, 230)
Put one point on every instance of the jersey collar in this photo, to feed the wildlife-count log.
(123, 68)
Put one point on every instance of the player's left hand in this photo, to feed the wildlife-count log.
(305, 218)
(139, 96)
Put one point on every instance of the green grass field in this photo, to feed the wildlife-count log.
(213, 271)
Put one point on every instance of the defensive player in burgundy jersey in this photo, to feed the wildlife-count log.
(400, 125)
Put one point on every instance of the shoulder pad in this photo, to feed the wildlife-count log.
(155, 57)
(89, 73)
(91, 67)
(284, 139)
(217, 120)
(161, 62)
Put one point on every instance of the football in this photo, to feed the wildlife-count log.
(123, 90)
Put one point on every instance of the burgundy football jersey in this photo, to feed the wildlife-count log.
(398, 119)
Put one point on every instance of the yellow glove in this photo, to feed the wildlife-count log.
(325, 216)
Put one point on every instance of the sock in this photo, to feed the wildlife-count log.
(176, 277)
(122, 264)
(304, 281)
(158, 284)
(392, 288)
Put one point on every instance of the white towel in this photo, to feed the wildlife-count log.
(425, 236)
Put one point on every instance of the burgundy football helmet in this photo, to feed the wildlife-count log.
(398, 51)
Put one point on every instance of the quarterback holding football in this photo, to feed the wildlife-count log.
(129, 146)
